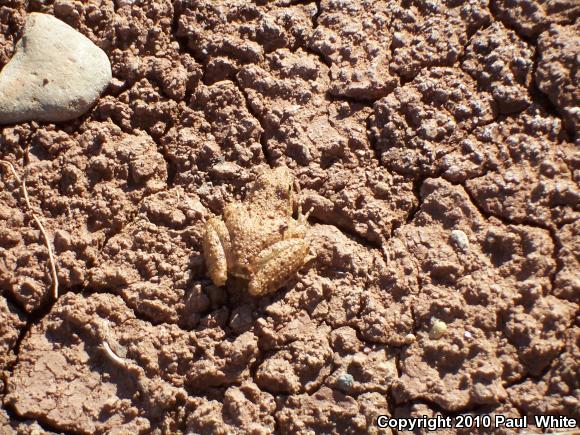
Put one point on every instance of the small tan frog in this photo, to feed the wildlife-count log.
(258, 240)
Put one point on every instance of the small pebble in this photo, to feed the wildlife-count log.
(438, 329)
(345, 382)
(56, 73)
(459, 238)
(570, 400)
(467, 334)
(382, 188)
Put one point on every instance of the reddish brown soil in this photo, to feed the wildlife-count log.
(403, 121)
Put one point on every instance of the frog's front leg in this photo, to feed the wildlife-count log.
(276, 264)
(297, 228)
(216, 246)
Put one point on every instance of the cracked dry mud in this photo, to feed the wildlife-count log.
(403, 121)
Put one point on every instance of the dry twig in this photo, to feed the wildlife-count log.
(52, 263)
(107, 348)
(112, 355)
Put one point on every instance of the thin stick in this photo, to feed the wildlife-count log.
(51, 261)
(108, 351)
(50, 257)
(7, 163)
(385, 252)
(112, 355)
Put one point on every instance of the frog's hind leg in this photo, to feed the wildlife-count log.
(216, 248)
(276, 264)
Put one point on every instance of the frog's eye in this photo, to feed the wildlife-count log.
(295, 186)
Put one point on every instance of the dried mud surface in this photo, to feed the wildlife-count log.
(437, 145)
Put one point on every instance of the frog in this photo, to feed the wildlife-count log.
(258, 239)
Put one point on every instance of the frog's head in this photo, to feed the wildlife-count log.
(276, 187)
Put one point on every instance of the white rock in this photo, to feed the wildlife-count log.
(438, 329)
(56, 73)
(460, 239)
(121, 3)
